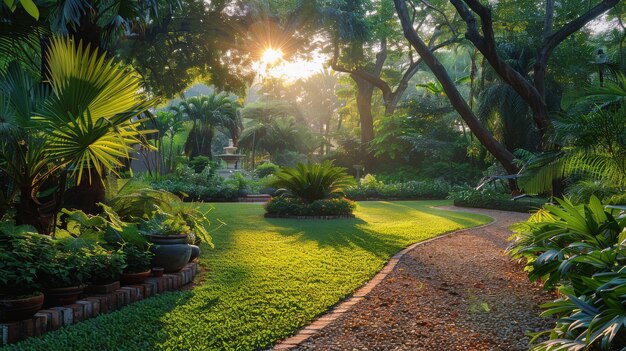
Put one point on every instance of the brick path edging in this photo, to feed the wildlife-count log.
(360, 294)
(91, 306)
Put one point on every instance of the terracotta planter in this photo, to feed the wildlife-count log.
(62, 296)
(157, 271)
(134, 278)
(103, 288)
(19, 309)
(170, 252)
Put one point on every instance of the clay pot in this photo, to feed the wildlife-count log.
(134, 278)
(195, 252)
(98, 288)
(63, 296)
(157, 271)
(19, 309)
(170, 252)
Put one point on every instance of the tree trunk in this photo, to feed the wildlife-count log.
(456, 99)
(365, 91)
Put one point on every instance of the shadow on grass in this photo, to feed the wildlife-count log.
(375, 234)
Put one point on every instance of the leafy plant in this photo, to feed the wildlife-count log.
(312, 182)
(24, 255)
(137, 259)
(565, 242)
(66, 268)
(105, 266)
(265, 169)
(581, 250)
(182, 220)
(141, 203)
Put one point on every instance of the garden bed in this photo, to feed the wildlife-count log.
(91, 306)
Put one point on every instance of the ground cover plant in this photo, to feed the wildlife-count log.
(265, 279)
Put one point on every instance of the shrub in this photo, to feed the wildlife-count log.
(491, 199)
(66, 268)
(581, 250)
(137, 259)
(283, 206)
(312, 182)
(105, 266)
(265, 169)
(369, 187)
(23, 257)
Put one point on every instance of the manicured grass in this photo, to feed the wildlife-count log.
(266, 279)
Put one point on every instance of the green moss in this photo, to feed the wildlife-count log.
(265, 279)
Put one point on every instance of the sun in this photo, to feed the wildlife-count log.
(271, 56)
(272, 63)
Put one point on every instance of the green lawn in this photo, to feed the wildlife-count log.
(266, 279)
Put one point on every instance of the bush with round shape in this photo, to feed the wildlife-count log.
(265, 169)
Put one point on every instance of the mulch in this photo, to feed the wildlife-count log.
(460, 292)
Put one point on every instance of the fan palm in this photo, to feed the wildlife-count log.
(207, 113)
(84, 121)
(312, 182)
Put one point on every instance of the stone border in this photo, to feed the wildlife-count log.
(91, 306)
(344, 216)
(360, 294)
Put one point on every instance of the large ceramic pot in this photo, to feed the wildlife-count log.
(63, 296)
(134, 278)
(195, 252)
(19, 309)
(172, 252)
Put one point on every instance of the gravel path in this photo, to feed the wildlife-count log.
(456, 293)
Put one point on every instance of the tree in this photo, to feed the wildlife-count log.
(501, 154)
(533, 92)
(207, 113)
(484, 40)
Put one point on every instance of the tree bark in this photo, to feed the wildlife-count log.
(364, 105)
(456, 99)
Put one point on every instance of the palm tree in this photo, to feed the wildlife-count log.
(81, 123)
(277, 135)
(207, 113)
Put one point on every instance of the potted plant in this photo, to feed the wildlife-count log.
(105, 270)
(172, 234)
(23, 254)
(138, 263)
(64, 276)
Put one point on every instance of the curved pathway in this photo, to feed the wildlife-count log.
(457, 292)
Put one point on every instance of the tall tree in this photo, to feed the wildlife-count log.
(207, 113)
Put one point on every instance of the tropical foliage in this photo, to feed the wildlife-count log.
(84, 121)
(310, 182)
(581, 250)
(207, 113)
